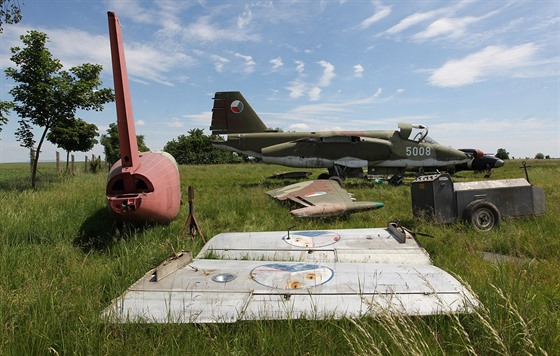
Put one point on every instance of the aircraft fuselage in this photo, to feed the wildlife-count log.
(353, 149)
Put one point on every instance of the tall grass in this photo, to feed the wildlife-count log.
(62, 261)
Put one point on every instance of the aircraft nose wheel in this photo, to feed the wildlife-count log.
(483, 215)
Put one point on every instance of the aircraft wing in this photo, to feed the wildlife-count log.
(320, 198)
(313, 274)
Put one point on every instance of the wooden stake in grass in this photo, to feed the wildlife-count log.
(192, 224)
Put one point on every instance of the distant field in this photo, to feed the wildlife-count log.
(62, 262)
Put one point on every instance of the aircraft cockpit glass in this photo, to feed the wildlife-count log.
(419, 133)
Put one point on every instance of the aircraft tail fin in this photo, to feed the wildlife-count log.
(125, 117)
(233, 114)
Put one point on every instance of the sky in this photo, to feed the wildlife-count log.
(479, 74)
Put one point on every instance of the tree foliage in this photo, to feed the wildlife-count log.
(10, 12)
(539, 156)
(111, 147)
(502, 153)
(5, 108)
(73, 136)
(196, 148)
(47, 95)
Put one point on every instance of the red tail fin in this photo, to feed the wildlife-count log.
(125, 117)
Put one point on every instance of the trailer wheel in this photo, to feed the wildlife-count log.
(483, 215)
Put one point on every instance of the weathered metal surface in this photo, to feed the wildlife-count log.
(367, 273)
(321, 198)
(512, 197)
(141, 187)
(284, 290)
(437, 197)
(374, 245)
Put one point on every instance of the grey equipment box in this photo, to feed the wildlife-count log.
(436, 197)
(433, 197)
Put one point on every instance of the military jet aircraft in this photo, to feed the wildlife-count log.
(343, 153)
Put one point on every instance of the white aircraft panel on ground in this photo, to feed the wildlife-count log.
(345, 281)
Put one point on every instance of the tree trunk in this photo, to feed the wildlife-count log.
(36, 160)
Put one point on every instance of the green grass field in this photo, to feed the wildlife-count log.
(62, 261)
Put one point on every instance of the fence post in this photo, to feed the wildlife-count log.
(72, 168)
(86, 166)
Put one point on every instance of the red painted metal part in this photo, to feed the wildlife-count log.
(141, 187)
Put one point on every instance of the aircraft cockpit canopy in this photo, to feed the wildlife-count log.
(416, 133)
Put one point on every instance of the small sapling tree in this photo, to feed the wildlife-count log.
(73, 136)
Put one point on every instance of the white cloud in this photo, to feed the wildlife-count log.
(358, 70)
(204, 30)
(300, 127)
(296, 88)
(175, 123)
(140, 122)
(378, 92)
(380, 13)
(328, 73)
(489, 62)
(245, 18)
(133, 10)
(300, 66)
(315, 94)
(410, 21)
(248, 65)
(219, 62)
(451, 27)
(74, 47)
(276, 63)
(420, 17)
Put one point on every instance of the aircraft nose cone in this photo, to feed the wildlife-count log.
(451, 154)
(498, 163)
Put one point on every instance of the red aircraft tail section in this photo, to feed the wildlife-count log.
(125, 117)
(141, 187)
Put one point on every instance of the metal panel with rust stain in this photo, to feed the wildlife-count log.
(372, 245)
(348, 281)
(141, 187)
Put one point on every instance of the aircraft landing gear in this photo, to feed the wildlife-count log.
(396, 180)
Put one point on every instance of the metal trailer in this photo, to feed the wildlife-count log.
(481, 203)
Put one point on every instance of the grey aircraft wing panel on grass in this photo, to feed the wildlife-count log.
(312, 193)
(339, 284)
(320, 198)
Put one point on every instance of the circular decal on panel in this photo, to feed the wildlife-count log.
(311, 238)
(291, 276)
(236, 106)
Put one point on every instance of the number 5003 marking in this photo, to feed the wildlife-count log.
(418, 151)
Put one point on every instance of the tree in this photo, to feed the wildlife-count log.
(48, 95)
(111, 147)
(10, 12)
(73, 136)
(5, 108)
(539, 156)
(196, 148)
(502, 153)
